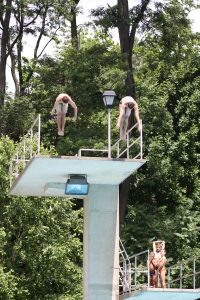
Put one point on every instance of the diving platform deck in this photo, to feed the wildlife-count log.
(163, 294)
(47, 175)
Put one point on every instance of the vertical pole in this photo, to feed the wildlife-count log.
(31, 143)
(168, 278)
(127, 145)
(24, 154)
(39, 130)
(118, 150)
(141, 138)
(194, 273)
(109, 135)
(135, 270)
(17, 164)
(148, 271)
(11, 172)
(181, 276)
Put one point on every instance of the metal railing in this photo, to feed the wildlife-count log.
(130, 142)
(28, 147)
(124, 269)
(90, 150)
(185, 274)
(134, 273)
(123, 147)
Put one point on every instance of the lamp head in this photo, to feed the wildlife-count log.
(108, 98)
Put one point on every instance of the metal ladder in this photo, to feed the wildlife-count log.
(124, 269)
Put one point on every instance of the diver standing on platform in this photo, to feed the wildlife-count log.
(126, 105)
(61, 108)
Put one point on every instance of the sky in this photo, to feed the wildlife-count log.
(85, 7)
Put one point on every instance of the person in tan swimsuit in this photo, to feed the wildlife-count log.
(126, 105)
(60, 108)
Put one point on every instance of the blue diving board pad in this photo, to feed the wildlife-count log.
(47, 175)
(163, 294)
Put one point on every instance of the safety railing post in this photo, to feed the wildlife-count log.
(11, 172)
(118, 149)
(168, 278)
(141, 141)
(194, 273)
(148, 272)
(181, 276)
(17, 164)
(39, 133)
(135, 270)
(127, 145)
(24, 153)
(31, 143)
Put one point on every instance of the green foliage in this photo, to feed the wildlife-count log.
(16, 117)
(8, 285)
(50, 229)
(164, 202)
(40, 243)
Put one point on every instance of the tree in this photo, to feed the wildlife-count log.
(40, 20)
(5, 15)
(41, 243)
(74, 34)
(165, 197)
(129, 22)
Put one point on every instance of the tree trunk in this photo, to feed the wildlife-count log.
(14, 76)
(126, 46)
(4, 41)
(74, 34)
(3, 71)
(127, 30)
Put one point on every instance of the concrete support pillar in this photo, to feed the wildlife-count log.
(101, 243)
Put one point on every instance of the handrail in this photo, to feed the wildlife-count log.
(138, 140)
(26, 149)
(125, 270)
(91, 150)
(129, 145)
(131, 270)
(181, 267)
(137, 281)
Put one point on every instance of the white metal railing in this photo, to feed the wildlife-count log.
(124, 269)
(28, 147)
(90, 150)
(129, 144)
(119, 145)
(185, 274)
(140, 275)
(133, 271)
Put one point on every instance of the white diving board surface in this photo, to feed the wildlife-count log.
(47, 175)
(163, 294)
